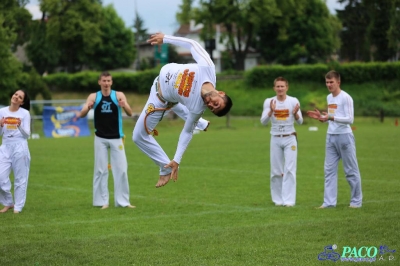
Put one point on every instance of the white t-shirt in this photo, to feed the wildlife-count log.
(282, 118)
(342, 109)
(10, 131)
(182, 83)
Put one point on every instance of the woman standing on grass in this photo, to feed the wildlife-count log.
(15, 127)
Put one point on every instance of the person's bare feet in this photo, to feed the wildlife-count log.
(6, 208)
(164, 179)
(130, 206)
(16, 211)
(104, 207)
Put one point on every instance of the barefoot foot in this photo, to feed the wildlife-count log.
(130, 206)
(104, 207)
(6, 208)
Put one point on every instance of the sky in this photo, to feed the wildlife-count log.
(157, 15)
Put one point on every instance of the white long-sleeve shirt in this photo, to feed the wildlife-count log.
(182, 83)
(342, 109)
(282, 118)
(11, 131)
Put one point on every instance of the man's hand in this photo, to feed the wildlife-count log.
(175, 167)
(122, 103)
(296, 109)
(272, 106)
(2, 122)
(314, 114)
(324, 117)
(156, 38)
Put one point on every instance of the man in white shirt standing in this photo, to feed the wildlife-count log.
(283, 110)
(191, 85)
(340, 143)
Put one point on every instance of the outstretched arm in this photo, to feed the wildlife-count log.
(198, 52)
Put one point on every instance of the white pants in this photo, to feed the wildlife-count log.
(119, 168)
(283, 155)
(147, 143)
(14, 156)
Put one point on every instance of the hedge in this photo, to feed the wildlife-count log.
(86, 81)
(355, 72)
(258, 77)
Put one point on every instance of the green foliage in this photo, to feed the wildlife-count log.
(350, 72)
(370, 29)
(262, 75)
(302, 32)
(239, 20)
(219, 212)
(10, 68)
(141, 34)
(42, 53)
(86, 81)
(116, 48)
(75, 28)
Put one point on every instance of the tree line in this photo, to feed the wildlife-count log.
(74, 35)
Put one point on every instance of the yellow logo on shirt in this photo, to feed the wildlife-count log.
(184, 82)
(281, 114)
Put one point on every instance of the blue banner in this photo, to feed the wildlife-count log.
(61, 122)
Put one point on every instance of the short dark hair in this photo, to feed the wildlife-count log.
(227, 108)
(27, 101)
(333, 75)
(104, 74)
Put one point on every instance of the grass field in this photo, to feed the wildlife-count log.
(219, 212)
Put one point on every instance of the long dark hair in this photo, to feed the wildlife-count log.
(27, 101)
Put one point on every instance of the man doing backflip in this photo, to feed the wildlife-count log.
(191, 85)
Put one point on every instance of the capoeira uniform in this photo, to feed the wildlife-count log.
(109, 136)
(14, 154)
(340, 144)
(177, 86)
(283, 150)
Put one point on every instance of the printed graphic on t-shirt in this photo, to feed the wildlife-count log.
(332, 108)
(184, 82)
(11, 122)
(106, 107)
(281, 114)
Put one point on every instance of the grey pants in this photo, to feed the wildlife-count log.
(341, 146)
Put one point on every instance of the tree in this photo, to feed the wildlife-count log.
(141, 34)
(117, 46)
(10, 68)
(377, 32)
(42, 53)
(355, 20)
(185, 14)
(303, 32)
(371, 29)
(74, 28)
(239, 20)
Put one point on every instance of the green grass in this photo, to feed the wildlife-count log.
(219, 212)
